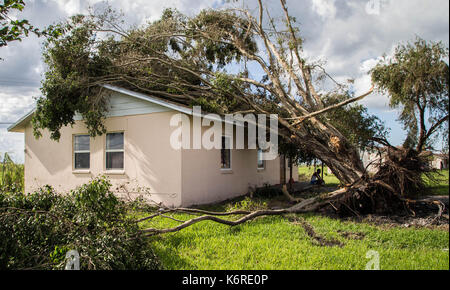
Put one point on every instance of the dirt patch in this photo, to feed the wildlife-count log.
(278, 203)
(352, 235)
(433, 215)
(319, 240)
(404, 221)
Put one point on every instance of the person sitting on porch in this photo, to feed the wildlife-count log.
(316, 179)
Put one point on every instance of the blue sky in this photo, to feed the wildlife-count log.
(350, 35)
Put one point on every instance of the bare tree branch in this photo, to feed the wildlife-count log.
(341, 104)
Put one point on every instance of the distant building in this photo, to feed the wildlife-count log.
(372, 159)
(440, 161)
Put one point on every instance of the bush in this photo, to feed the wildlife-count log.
(38, 229)
(248, 204)
(11, 175)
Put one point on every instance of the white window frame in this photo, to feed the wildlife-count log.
(120, 170)
(80, 151)
(257, 160)
(231, 154)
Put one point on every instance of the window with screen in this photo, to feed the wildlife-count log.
(114, 151)
(225, 154)
(81, 152)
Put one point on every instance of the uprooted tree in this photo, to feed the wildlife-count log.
(189, 60)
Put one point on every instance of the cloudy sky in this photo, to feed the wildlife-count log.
(349, 34)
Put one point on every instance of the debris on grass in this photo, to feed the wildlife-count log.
(317, 239)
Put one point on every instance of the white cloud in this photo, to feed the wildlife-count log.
(13, 144)
(324, 8)
(14, 104)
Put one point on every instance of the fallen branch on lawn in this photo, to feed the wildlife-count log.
(304, 206)
(192, 211)
(289, 196)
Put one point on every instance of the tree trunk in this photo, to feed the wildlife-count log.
(337, 153)
(347, 169)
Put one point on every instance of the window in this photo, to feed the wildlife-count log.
(225, 153)
(114, 151)
(261, 162)
(81, 152)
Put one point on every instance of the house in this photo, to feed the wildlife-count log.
(136, 154)
(373, 158)
(439, 161)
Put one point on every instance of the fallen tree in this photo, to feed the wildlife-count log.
(185, 60)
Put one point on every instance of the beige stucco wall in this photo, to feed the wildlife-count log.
(173, 177)
(203, 180)
(150, 162)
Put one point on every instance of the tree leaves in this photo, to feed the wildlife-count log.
(14, 29)
(416, 78)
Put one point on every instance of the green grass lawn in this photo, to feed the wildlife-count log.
(278, 243)
(441, 188)
(282, 243)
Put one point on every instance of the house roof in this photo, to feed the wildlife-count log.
(19, 125)
(152, 99)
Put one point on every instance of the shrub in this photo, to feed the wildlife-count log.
(38, 229)
(11, 175)
(248, 204)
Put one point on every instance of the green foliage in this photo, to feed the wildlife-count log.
(221, 26)
(80, 57)
(11, 175)
(417, 80)
(295, 152)
(249, 204)
(37, 230)
(12, 30)
(69, 54)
